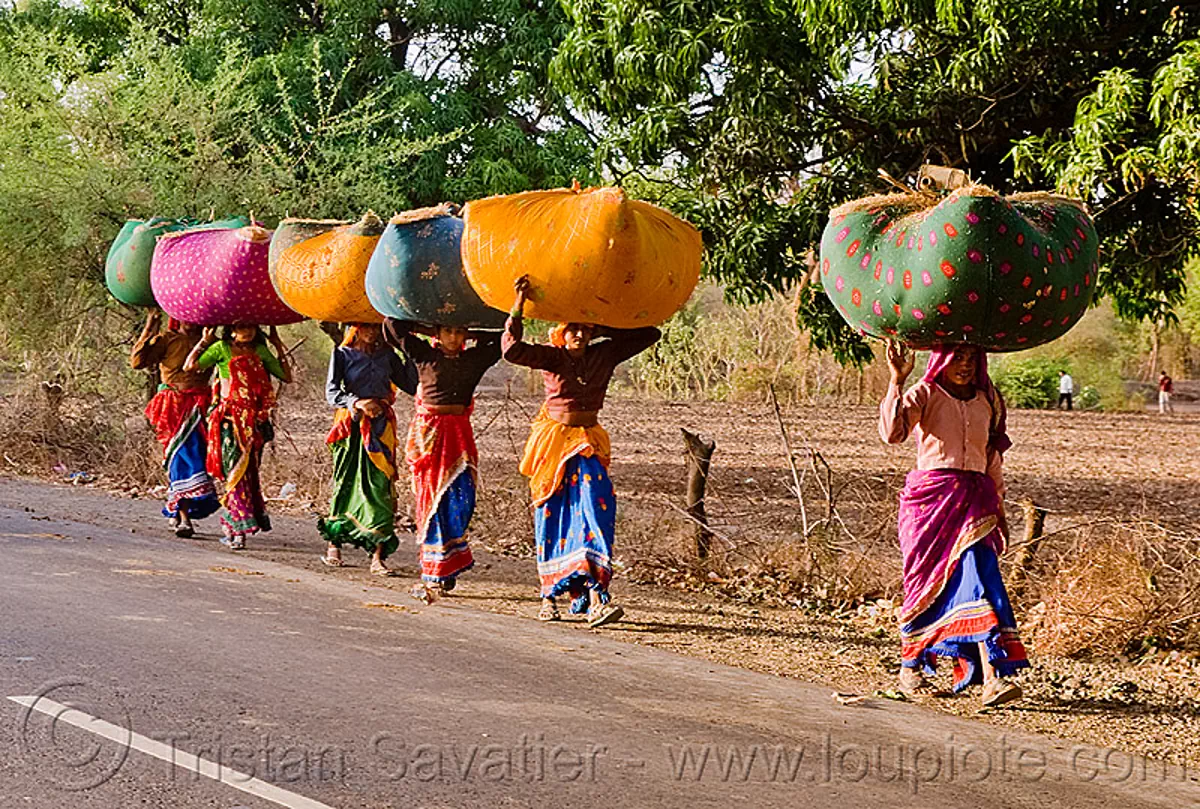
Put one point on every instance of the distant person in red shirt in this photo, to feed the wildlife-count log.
(1165, 388)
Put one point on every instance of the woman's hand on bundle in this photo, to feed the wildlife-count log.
(900, 361)
(522, 286)
(191, 363)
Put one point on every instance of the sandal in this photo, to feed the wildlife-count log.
(912, 681)
(1000, 691)
(184, 530)
(549, 612)
(381, 570)
(237, 542)
(604, 614)
(331, 561)
(426, 593)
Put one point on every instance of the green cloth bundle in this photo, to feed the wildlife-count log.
(127, 268)
(970, 266)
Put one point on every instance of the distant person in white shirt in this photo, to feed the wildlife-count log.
(1066, 388)
(1165, 388)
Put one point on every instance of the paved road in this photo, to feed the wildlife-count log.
(287, 676)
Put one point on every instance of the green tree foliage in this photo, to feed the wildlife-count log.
(767, 113)
(119, 109)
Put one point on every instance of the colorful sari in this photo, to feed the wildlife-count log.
(177, 417)
(362, 511)
(574, 508)
(240, 423)
(444, 463)
(950, 537)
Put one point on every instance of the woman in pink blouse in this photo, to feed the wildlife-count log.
(952, 527)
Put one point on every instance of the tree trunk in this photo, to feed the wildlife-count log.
(698, 458)
(54, 394)
(399, 35)
(1152, 363)
(1035, 522)
(151, 388)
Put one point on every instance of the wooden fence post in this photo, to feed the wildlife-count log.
(1035, 522)
(698, 458)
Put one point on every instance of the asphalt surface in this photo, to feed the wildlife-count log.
(345, 695)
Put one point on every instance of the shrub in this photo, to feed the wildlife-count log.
(1089, 399)
(1029, 382)
(1115, 589)
(1100, 352)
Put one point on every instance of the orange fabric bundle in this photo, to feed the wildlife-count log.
(319, 267)
(594, 256)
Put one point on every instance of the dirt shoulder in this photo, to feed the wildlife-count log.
(1150, 708)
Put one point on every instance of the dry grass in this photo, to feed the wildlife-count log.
(718, 352)
(45, 425)
(816, 552)
(1116, 588)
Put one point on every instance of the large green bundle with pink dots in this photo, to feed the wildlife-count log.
(1002, 273)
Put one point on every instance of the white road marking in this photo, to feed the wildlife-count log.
(179, 758)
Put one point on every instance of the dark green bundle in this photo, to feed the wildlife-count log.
(127, 268)
(1004, 274)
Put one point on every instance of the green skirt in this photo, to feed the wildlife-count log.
(362, 511)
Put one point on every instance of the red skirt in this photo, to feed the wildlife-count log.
(170, 408)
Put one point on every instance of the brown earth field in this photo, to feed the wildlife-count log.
(765, 599)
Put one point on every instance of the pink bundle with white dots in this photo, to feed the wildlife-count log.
(218, 278)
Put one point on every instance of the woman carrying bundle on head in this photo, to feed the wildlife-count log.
(567, 456)
(952, 525)
(363, 375)
(239, 425)
(177, 414)
(441, 449)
